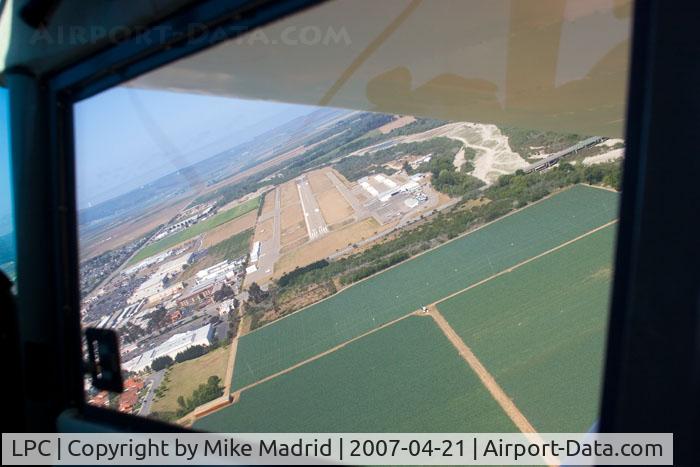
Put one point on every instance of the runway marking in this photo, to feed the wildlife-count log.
(313, 232)
(306, 214)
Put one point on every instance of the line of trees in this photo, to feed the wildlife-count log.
(204, 393)
(289, 278)
(374, 267)
(191, 353)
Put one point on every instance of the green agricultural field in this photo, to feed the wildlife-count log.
(199, 228)
(233, 247)
(540, 331)
(425, 279)
(404, 378)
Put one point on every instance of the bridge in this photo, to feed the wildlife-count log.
(554, 158)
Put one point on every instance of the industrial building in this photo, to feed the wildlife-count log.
(220, 271)
(154, 284)
(198, 294)
(255, 252)
(173, 346)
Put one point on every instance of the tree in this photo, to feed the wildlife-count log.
(256, 294)
(223, 293)
(213, 380)
(131, 332)
(191, 353)
(161, 363)
(204, 393)
(156, 319)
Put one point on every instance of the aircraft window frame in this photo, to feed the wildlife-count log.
(57, 92)
(218, 22)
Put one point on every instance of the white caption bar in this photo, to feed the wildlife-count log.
(337, 448)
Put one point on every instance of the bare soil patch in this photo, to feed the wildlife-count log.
(333, 206)
(319, 181)
(263, 231)
(229, 229)
(268, 203)
(398, 123)
(292, 224)
(327, 245)
(288, 194)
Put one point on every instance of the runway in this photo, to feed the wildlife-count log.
(315, 224)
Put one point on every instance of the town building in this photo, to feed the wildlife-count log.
(166, 293)
(171, 347)
(255, 252)
(225, 307)
(225, 270)
(199, 294)
(130, 397)
(154, 284)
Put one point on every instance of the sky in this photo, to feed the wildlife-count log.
(5, 177)
(126, 137)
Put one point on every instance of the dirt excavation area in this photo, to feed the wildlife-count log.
(494, 157)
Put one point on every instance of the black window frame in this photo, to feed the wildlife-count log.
(644, 368)
(44, 175)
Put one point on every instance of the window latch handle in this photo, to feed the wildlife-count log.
(104, 364)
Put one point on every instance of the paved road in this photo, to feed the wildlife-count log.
(152, 382)
(315, 224)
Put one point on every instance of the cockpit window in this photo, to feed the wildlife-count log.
(8, 249)
(388, 230)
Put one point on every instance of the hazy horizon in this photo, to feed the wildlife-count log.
(126, 137)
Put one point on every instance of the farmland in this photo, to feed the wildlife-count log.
(543, 340)
(420, 385)
(424, 279)
(198, 228)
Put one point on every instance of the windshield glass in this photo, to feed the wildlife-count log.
(315, 246)
(8, 250)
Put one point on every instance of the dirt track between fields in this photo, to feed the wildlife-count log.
(243, 327)
(488, 380)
